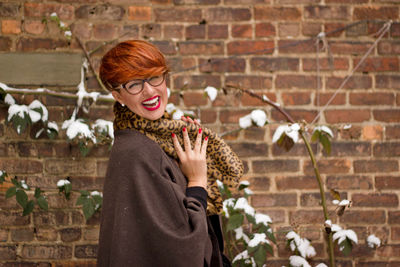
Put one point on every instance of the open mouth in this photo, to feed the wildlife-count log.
(152, 103)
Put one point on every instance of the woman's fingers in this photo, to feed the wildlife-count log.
(177, 146)
(203, 150)
(186, 140)
(197, 145)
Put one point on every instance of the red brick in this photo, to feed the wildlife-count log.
(260, 183)
(173, 31)
(226, 101)
(314, 199)
(245, 2)
(208, 116)
(254, 134)
(395, 29)
(355, 82)
(271, 166)
(296, 47)
(46, 252)
(196, 32)
(372, 132)
(21, 235)
(378, 64)
(296, 98)
(232, 116)
(387, 149)
(366, 166)
(70, 234)
(196, 2)
(328, 166)
(296, 114)
(50, 218)
(245, 149)
(39, 10)
(196, 81)
(349, 182)
(360, 29)
(388, 251)
(9, 9)
(291, 81)
(330, 29)
(200, 48)
(178, 64)
(353, 133)
(86, 251)
(353, 149)
(389, 47)
(296, 182)
(326, 12)
(274, 64)
(105, 31)
(289, 29)
(31, 44)
(46, 234)
(265, 30)
(388, 81)
(251, 101)
(347, 116)
(301, 217)
(296, 151)
(376, 12)
(372, 99)
(194, 99)
(227, 14)
(5, 43)
(392, 132)
(276, 13)
(391, 115)
(311, 29)
(346, 1)
(8, 252)
(21, 166)
(217, 31)
(310, 64)
(250, 81)
(395, 233)
(105, 12)
(242, 31)
(34, 27)
(339, 99)
(8, 218)
(11, 26)
(91, 234)
(364, 217)
(166, 47)
(352, 48)
(253, 47)
(223, 65)
(274, 200)
(177, 14)
(394, 217)
(375, 200)
(139, 13)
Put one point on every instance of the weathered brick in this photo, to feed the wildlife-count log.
(105, 31)
(260, 183)
(378, 64)
(86, 251)
(372, 99)
(360, 29)
(250, 81)
(311, 29)
(8, 252)
(389, 251)
(223, 65)
(265, 30)
(271, 166)
(388, 81)
(395, 29)
(296, 47)
(347, 115)
(350, 149)
(11, 26)
(326, 12)
(289, 30)
(177, 14)
(293, 81)
(87, 183)
(250, 149)
(208, 116)
(296, 182)
(274, 64)
(21, 235)
(295, 151)
(27, 44)
(34, 27)
(296, 98)
(100, 12)
(21, 166)
(200, 48)
(43, 218)
(314, 199)
(266, 13)
(296, 114)
(70, 234)
(355, 82)
(391, 115)
(46, 252)
(374, 216)
(387, 149)
(323, 98)
(82, 30)
(196, 81)
(217, 31)
(173, 31)
(349, 182)
(166, 47)
(195, 32)
(71, 167)
(387, 182)
(46, 234)
(194, 99)
(274, 200)
(227, 14)
(226, 101)
(392, 132)
(328, 166)
(365, 166)
(13, 219)
(395, 233)
(232, 116)
(306, 217)
(9, 9)
(346, 1)
(331, 27)
(254, 133)
(139, 13)
(196, 2)
(251, 101)
(39, 10)
(5, 43)
(325, 64)
(376, 12)
(91, 234)
(253, 47)
(375, 200)
(389, 47)
(242, 31)
(370, 263)
(353, 48)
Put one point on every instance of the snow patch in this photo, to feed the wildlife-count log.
(291, 131)
(373, 241)
(62, 182)
(297, 261)
(258, 239)
(324, 129)
(211, 92)
(242, 204)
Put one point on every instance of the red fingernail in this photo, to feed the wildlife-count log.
(173, 135)
(184, 129)
(199, 130)
(205, 139)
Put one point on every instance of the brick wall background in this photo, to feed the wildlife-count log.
(363, 165)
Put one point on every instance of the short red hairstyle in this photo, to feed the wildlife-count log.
(128, 60)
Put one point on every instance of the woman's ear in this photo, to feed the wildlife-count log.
(117, 96)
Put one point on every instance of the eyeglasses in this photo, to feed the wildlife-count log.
(136, 86)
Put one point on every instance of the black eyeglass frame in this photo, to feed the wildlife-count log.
(164, 75)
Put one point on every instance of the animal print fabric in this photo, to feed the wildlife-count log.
(222, 163)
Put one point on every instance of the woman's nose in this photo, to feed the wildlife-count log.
(148, 89)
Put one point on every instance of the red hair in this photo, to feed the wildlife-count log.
(128, 60)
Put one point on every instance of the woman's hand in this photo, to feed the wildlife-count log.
(192, 161)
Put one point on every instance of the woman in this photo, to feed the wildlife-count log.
(157, 194)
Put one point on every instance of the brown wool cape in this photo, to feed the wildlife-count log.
(147, 218)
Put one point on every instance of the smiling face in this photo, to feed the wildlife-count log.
(150, 103)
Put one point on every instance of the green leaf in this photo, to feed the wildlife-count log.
(260, 256)
(285, 142)
(15, 182)
(346, 247)
(84, 149)
(81, 200)
(251, 218)
(315, 136)
(22, 198)
(269, 249)
(11, 192)
(84, 193)
(243, 186)
(235, 221)
(28, 208)
(270, 236)
(38, 192)
(252, 249)
(3, 177)
(326, 143)
(42, 202)
(88, 208)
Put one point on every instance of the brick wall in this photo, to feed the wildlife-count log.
(363, 165)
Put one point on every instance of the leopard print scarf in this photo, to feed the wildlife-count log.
(222, 163)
